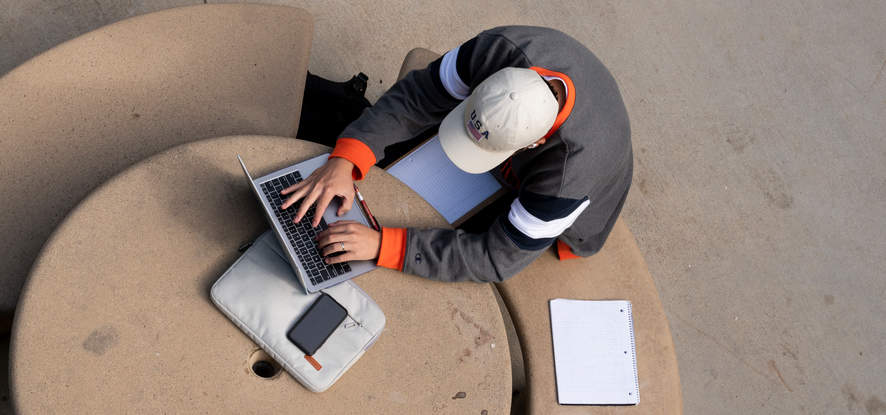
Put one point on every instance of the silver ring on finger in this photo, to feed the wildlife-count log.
(342, 246)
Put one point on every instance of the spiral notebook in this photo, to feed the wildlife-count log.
(594, 353)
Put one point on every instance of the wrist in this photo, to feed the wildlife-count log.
(377, 244)
(356, 152)
(342, 167)
(341, 163)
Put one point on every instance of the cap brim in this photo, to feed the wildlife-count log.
(462, 149)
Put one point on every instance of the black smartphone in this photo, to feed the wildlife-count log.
(317, 324)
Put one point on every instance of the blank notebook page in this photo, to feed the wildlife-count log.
(594, 354)
(450, 190)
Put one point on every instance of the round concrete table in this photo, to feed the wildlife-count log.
(116, 316)
(87, 109)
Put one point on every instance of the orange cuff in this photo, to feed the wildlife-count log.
(356, 152)
(564, 251)
(570, 98)
(393, 248)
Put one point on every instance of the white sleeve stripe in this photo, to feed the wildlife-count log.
(449, 76)
(536, 228)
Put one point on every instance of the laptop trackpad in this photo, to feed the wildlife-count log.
(354, 214)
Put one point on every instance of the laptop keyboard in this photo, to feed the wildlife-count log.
(302, 235)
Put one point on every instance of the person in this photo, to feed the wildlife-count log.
(529, 104)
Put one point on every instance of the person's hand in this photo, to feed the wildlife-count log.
(331, 180)
(348, 240)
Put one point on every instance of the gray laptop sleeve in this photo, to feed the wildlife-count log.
(262, 296)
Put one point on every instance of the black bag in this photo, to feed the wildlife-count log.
(328, 107)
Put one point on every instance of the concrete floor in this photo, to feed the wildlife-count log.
(759, 192)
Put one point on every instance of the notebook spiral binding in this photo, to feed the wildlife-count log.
(633, 349)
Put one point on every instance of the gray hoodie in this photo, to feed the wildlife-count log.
(571, 188)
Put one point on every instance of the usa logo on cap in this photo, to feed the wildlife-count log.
(475, 126)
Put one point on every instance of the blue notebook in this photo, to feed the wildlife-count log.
(453, 192)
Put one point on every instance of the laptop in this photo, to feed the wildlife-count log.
(298, 239)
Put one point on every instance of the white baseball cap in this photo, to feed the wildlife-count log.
(510, 110)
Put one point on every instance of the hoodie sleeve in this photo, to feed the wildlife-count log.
(512, 241)
(422, 99)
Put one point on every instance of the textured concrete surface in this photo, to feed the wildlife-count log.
(124, 323)
(89, 108)
(527, 298)
(28, 27)
(759, 190)
(5, 403)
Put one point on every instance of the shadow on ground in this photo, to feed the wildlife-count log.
(5, 400)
